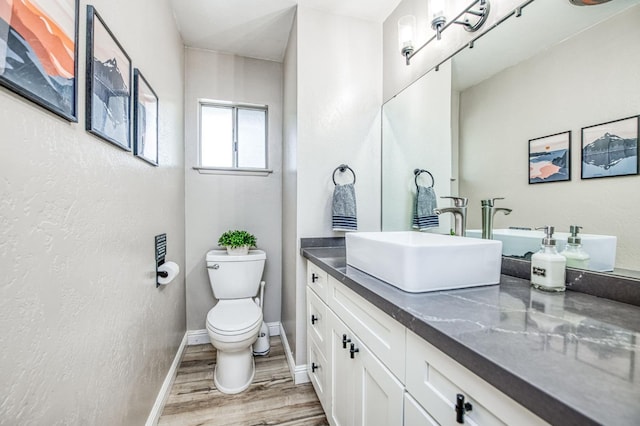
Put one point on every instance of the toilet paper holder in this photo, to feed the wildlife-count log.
(161, 250)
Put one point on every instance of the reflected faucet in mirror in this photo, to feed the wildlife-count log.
(459, 211)
(488, 212)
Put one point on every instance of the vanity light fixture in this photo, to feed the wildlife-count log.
(472, 18)
(406, 35)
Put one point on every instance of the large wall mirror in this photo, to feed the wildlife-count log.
(556, 68)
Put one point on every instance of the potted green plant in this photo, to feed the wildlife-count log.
(237, 242)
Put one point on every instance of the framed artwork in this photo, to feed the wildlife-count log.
(108, 99)
(145, 119)
(39, 52)
(610, 149)
(550, 158)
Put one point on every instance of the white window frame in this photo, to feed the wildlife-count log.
(233, 170)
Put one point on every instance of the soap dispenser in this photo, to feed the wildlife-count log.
(573, 252)
(548, 266)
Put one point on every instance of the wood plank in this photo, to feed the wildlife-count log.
(272, 398)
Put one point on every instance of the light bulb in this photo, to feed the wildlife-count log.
(406, 33)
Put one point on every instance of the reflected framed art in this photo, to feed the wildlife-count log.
(610, 149)
(550, 158)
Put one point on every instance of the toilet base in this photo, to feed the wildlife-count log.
(234, 371)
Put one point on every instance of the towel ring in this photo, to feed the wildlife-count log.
(418, 172)
(343, 168)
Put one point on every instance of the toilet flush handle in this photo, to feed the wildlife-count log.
(215, 266)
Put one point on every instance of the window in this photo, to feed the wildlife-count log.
(233, 136)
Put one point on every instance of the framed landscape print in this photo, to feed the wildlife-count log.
(108, 98)
(145, 119)
(550, 158)
(39, 51)
(610, 149)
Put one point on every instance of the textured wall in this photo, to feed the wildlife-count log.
(86, 337)
(216, 203)
(574, 84)
(339, 92)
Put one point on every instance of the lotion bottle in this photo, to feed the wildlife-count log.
(573, 252)
(548, 267)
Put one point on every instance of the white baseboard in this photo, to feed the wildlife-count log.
(201, 337)
(156, 411)
(198, 337)
(298, 372)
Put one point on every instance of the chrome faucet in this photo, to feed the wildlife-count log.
(488, 211)
(459, 211)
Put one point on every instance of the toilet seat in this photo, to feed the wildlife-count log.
(234, 317)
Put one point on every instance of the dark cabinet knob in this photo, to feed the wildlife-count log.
(314, 277)
(313, 319)
(345, 341)
(461, 408)
(314, 367)
(353, 350)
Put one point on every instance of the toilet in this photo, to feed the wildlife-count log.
(233, 324)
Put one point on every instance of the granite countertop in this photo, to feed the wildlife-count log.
(570, 358)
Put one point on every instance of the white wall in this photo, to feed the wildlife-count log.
(86, 336)
(216, 203)
(339, 93)
(290, 244)
(568, 87)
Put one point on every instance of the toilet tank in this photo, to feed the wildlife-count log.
(235, 277)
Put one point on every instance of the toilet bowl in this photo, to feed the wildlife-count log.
(233, 324)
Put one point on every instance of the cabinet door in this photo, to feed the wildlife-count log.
(343, 378)
(415, 415)
(364, 391)
(380, 395)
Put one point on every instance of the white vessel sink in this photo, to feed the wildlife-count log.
(418, 262)
(519, 242)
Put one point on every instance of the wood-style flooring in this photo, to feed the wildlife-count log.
(272, 398)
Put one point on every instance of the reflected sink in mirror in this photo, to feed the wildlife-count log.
(521, 243)
(419, 262)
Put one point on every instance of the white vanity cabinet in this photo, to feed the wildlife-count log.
(370, 370)
(354, 386)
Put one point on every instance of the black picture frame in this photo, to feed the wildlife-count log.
(610, 149)
(108, 97)
(550, 158)
(46, 75)
(145, 119)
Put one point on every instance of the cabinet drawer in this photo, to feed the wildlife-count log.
(318, 370)
(317, 320)
(317, 280)
(434, 379)
(381, 333)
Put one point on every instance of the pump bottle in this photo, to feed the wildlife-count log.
(548, 267)
(573, 252)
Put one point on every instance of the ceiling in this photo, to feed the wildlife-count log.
(259, 28)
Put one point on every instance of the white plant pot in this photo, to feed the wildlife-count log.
(238, 251)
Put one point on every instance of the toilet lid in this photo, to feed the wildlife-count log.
(234, 316)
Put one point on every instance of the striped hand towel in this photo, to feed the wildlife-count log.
(426, 203)
(344, 208)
